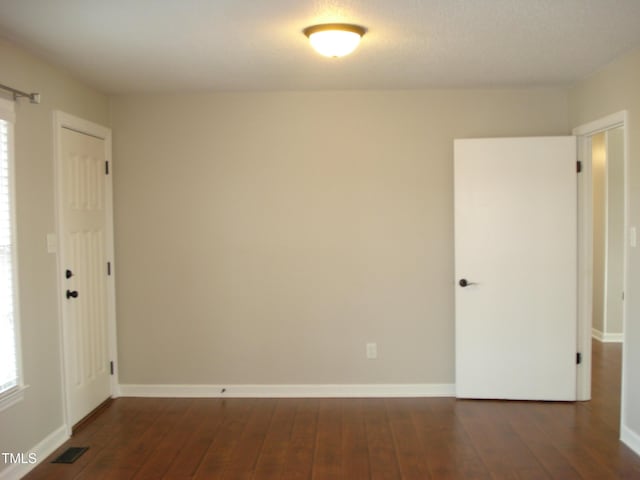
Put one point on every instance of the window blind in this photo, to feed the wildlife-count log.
(8, 351)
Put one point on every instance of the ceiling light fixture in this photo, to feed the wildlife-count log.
(334, 39)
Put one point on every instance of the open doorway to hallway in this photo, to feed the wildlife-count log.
(607, 167)
(604, 236)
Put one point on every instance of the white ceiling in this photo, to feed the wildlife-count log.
(125, 46)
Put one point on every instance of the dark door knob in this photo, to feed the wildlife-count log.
(72, 294)
(68, 274)
(465, 283)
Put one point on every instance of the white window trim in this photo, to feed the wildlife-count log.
(12, 396)
(15, 394)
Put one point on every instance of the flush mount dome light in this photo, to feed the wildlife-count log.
(334, 39)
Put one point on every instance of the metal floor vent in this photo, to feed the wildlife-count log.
(70, 455)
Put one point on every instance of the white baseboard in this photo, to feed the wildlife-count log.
(42, 450)
(607, 337)
(613, 338)
(289, 391)
(631, 439)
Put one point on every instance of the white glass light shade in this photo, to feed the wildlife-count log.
(334, 40)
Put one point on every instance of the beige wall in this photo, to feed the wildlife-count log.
(266, 237)
(24, 425)
(613, 89)
(599, 172)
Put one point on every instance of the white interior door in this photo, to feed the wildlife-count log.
(83, 229)
(515, 246)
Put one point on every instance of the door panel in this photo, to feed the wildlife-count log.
(515, 242)
(84, 223)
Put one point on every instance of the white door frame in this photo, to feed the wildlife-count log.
(585, 246)
(64, 120)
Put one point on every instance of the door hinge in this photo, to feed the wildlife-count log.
(106, 168)
(111, 367)
(578, 166)
(578, 358)
(109, 268)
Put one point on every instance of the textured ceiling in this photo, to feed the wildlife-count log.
(193, 45)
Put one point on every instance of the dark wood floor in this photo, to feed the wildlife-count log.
(439, 438)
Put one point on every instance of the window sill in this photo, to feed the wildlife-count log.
(11, 397)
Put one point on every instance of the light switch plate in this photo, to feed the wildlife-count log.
(372, 350)
(52, 243)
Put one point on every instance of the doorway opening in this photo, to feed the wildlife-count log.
(603, 230)
(607, 166)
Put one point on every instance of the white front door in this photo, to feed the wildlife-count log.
(83, 230)
(516, 268)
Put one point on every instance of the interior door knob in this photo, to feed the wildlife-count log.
(465, 283)
(72, 294)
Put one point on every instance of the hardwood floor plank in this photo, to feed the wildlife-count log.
(157, 464)
(447, 448)
(193, 450)
(245, 449)
(355, 451)
(298, 462)
(218, 455)
(327, 460)
(412, 463)
(137, 454)
(272, 457)
(382, 454)
(499, 447)
(527, 427)
(128, 449)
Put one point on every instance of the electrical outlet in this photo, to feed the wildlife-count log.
(372, 350)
